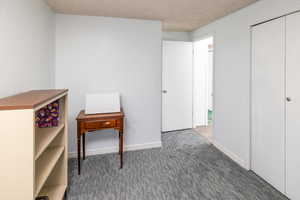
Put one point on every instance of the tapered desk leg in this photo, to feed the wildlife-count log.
(83, 145)
(78, 148)
(121, 144)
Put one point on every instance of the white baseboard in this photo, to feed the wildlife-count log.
(116, 149)
(209, 139)
(158, 144)
(231, 155)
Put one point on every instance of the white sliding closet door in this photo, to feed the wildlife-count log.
(177, 79)
(268, 102)
(293, 106)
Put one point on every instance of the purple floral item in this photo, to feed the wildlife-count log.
(48, 116)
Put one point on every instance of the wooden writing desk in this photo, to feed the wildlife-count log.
(95, 122)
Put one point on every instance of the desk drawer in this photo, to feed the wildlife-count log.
(100, 124)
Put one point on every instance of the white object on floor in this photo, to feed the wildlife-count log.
(102, 103)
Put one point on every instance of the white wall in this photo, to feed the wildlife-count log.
(176, 36)
(27, 46)
(232, 73)
(95, 54)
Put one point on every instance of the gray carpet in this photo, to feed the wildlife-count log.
(185, 168)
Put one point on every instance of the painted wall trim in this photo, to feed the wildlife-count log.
(115, 149)
(231, 155)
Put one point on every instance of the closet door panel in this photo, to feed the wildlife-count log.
(268, 102)
(293, 106)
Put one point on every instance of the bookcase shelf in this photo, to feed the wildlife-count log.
(54, 192)
(35, 159)
(46, 164)
(44, 136)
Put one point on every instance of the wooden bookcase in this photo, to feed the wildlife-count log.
(33, 160)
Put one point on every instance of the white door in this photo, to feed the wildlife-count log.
(268, 102)
(177, 85)
(293, 106)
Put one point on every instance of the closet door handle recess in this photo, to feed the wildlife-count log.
(288, 99)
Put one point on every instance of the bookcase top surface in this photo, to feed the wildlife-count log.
(29, 100)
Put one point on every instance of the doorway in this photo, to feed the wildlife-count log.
(203, 87)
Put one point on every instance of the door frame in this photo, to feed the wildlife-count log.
(199, 38)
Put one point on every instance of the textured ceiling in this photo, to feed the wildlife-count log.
(176, 15)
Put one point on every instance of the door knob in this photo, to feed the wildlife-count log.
(288, 99)
(164, 91)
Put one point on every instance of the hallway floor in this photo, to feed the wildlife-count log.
(205, 131)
